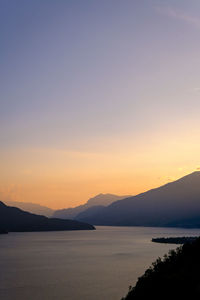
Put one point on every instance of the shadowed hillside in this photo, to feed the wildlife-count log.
(174, 204)
(89, 212)
(15, 219)
(176, 276)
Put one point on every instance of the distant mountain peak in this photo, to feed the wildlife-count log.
(31, 207)
(98, 200)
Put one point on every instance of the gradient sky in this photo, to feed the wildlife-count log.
(96, 97)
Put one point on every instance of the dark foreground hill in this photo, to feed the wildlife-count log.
(176, 204)
(3, 231)
(174, 277)
(15, 219)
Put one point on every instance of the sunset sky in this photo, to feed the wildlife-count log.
(97, 97)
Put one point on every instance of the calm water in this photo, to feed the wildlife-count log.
(83, 265)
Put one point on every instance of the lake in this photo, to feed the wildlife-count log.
(73, 265)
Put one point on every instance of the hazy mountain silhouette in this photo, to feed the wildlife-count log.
(15, 219)
(174, 204)
(31, 207)
(99, 200)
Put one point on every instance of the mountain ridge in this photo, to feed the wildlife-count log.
(162, 206)
(34, 208)
(16, 220)
(98, 200)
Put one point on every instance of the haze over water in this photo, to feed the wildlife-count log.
(84, 265)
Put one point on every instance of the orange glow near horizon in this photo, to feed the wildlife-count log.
(58, 178)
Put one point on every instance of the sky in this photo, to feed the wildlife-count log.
(97, 97)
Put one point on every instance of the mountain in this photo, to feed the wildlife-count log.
(89, 212)
(31, 207)
(15, 219)
(174, 204)
(101, 199)
(176, 276)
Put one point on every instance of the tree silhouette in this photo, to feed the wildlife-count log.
(175, 276)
